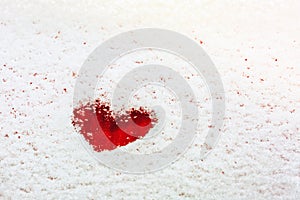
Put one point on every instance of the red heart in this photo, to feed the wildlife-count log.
(102, 130)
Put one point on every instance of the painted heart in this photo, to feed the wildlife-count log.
(105, 130)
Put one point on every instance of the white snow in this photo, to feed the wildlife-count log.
(257, 156)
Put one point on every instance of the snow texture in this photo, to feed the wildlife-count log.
(255, 45)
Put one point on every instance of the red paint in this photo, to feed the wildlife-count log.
(101, 127)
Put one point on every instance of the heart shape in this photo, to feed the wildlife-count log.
(107, 131)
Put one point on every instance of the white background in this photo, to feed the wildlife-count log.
(258, 152)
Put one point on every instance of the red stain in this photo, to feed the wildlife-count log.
(101, 128)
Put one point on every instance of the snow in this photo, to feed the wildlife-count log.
(43, 46)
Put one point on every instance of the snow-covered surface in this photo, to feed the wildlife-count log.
(254, 44)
